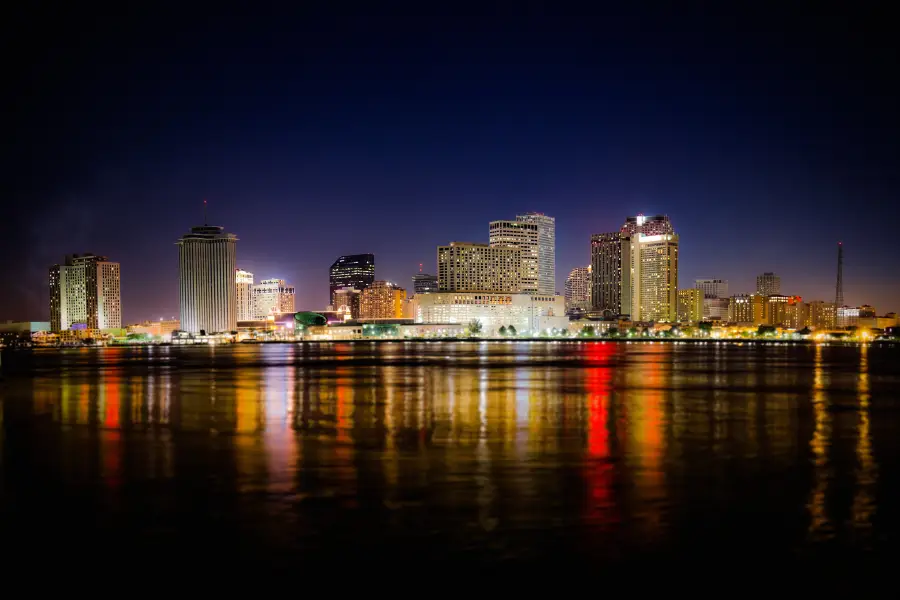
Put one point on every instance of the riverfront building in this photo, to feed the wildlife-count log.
(207, 289)
(85, 292)
(355, 271)
(243, 281)
(473, 267)
(532, 313)
(272, 297)
(524, 236)
(546, 229)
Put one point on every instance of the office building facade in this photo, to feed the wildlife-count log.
(85, 290)
(546, 227)
(425, 284)
(243, 293)
(578, 289)
(346, 303)
(472, 267)
(382, 300)
(821, 315)
(355, 271)
(712, 288)
(525, 237)
(616, 269)
(748, 309)
(715, 309)
(272, 297)
(650, 277)
(207, 291)
(768, 284)
(690, 305)
(532, 313)
(606, 273)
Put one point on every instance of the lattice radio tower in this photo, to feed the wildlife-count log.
(839, 288)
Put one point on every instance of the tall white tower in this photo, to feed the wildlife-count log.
(546, 249)
(206, 280)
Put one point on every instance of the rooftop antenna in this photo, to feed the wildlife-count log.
(839, 288)
(420, 267)
(205, 223)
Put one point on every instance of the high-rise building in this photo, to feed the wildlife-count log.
(243, 281)
(425, 284)
(690, 305)
(546, 249)
(740, 309)
(207, 288)
(346, 302)
(796, 315)
(471, 267)
(650, 276)
(272, 297)
(578, 289)
(355, 271)
(611, 272)
(525, 237)
(382, 300)
(712, 288)
(85, 290)
(606, 273)
(655, 225)
(748, 309)
(822, 315)
(768, 284)
(778, 310)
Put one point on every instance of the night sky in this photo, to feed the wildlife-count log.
(766, 138)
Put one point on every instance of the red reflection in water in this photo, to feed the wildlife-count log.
(599, 472)
(111, 420)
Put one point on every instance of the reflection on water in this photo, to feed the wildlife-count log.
(864, 502)
(509, 450)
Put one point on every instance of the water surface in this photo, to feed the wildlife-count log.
(484, 455)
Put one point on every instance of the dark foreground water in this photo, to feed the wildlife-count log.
(448, 460)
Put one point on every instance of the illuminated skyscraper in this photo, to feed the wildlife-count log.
(650, 277)
(690, 305)
(425, 284)
(748, 309)
(635, 270)
(606, 273)
(382, 300)
(272, 297)
(207, 288)
(578, 289)
(546, 227)
(649, 269)
(355, 271)
(471, 267)
(768, 284)
(655, 225)
(524, 236)
(243, 281)
(85, 291)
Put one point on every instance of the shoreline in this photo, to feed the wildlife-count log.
(728, 341)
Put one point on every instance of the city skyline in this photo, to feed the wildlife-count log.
(353, 137)
(630, 223)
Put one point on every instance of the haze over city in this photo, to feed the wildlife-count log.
(317, 137)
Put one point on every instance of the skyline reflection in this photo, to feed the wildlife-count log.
(477, 443)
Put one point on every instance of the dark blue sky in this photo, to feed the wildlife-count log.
(766, 138)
